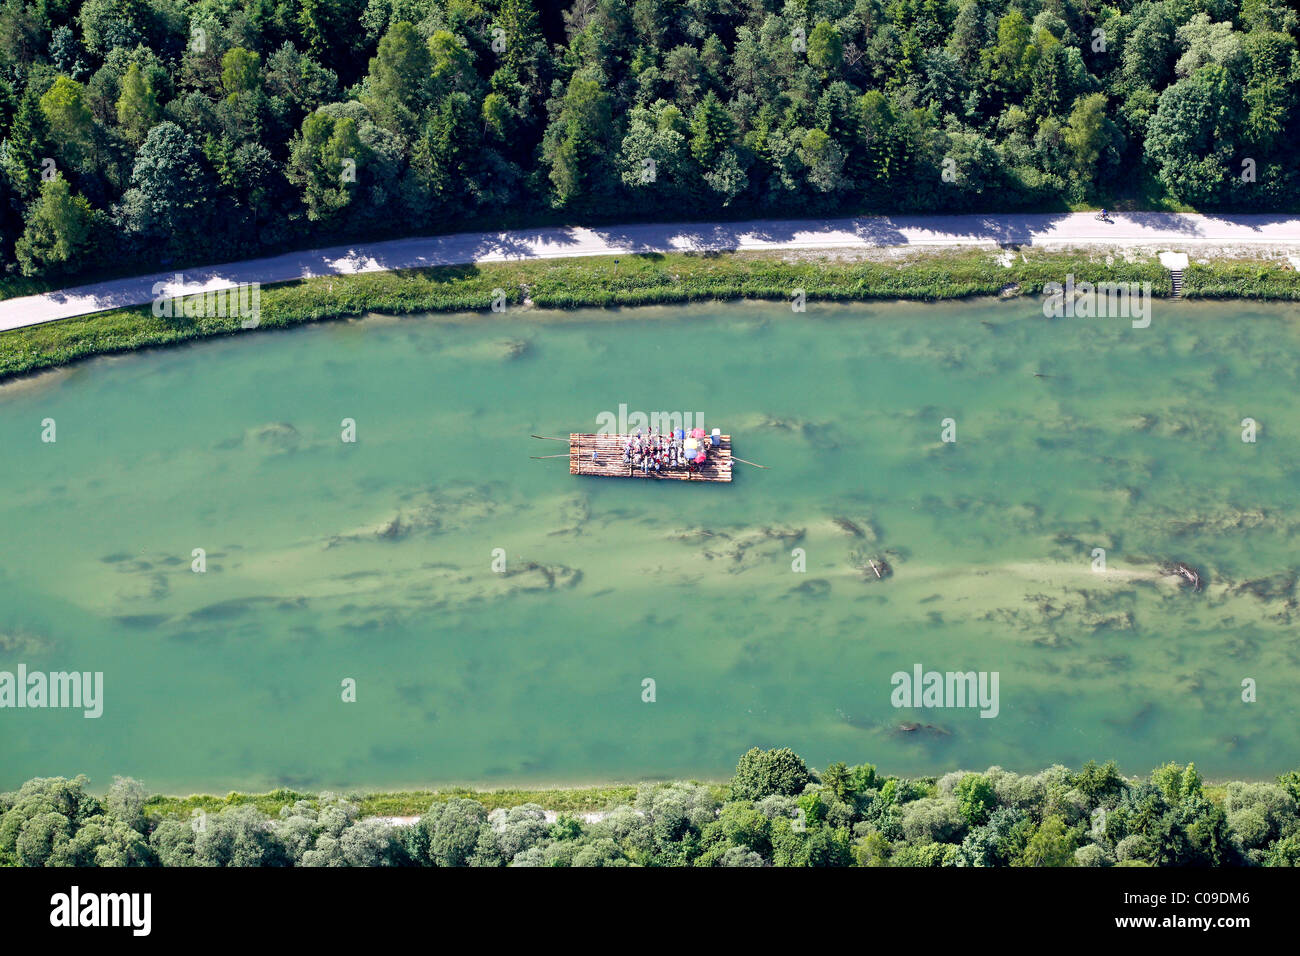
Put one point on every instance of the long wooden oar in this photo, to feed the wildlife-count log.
(754, 463)
(538, 457)
(548, 438)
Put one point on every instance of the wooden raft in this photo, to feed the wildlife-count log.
(609, 460)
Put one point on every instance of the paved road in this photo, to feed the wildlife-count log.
(1065, 229)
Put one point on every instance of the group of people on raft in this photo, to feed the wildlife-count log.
(674, 451)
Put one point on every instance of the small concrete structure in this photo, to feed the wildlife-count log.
(1175, 262)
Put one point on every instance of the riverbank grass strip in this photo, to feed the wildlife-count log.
(642, 279)
(410, 803)
(402, 803)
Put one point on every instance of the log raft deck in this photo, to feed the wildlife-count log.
(609, 460)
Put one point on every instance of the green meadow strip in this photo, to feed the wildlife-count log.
(645, 279)
(402, 803)
(1242, 279)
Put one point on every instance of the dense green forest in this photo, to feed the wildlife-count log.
(172, 131)
(775, 811)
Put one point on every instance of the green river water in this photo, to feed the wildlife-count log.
(373, 560)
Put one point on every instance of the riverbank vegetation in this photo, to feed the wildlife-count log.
(774, 811)
(638, 280)
(134, 132)
(397, 803)
(1240, 279)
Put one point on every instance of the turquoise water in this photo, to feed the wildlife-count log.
(373, 561)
